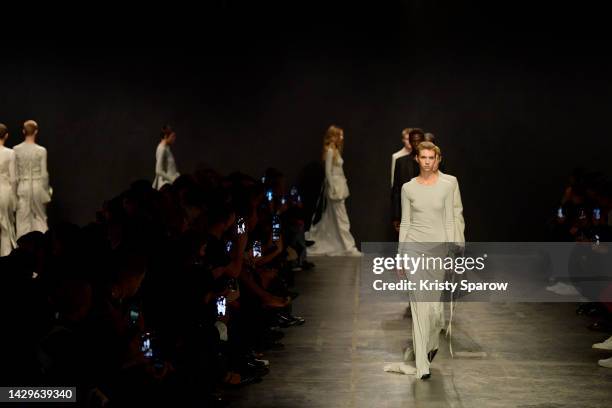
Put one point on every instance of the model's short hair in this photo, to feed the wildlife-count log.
(429, 146)
(416, 131)
(3, 130)
(30, 127)
(429, 137)
(166, 131)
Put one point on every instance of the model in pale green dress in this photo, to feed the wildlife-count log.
(431, 221)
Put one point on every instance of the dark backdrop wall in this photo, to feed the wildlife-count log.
(513, 116)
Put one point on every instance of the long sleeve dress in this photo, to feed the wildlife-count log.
(32, 188)
(165, 166)
(8, 200)
(431, 220)
(332, 233)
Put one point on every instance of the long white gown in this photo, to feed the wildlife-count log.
(432, 220)
(8, 200)
(165, 166)
(332, 233)
(400, 153)
(32, 188)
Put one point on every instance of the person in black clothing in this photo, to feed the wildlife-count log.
(405, 169)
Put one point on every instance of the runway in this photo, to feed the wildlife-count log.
(506, 355)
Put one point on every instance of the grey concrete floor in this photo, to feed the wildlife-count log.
(506, 355)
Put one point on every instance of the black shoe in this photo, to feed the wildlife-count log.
(252, 362)
(287, 320)
(432, 354)
(309, 243)
(300, 320)
(255, 357)
(293, 295)
(307, 265)
(426, 376)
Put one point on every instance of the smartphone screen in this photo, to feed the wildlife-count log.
(146, 345)
(269, 195)
(597, 213)
(240, 225)
(294, 191)
(228, 246)
(256, 249)
(134, 313)
(560, 213)
(276, 228)
(221, 306)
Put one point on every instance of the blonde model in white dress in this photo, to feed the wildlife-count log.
(332, 233)
(8, 199)
(165, 165)
(33, 192)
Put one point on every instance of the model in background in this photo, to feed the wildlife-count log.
(8, 199)
(405, 169)
(404, 151)
(33, 193)
(165, 166)
(332, 233)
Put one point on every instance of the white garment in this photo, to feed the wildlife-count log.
(32, 188)
(165, 167)
(400, 153)
(8, 200)
(457, 209)
(607, 362)
(429, 218)
(332, 233)
(604, 345)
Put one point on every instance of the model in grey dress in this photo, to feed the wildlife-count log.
(432, 222)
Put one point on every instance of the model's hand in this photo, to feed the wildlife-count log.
(458, 248)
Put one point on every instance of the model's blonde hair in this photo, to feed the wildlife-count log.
(3, 130)
(30, 127)
(406, 132)
(332, 140)
(428, 146)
